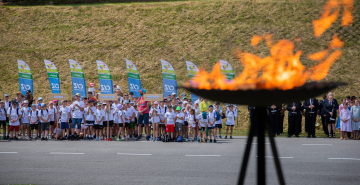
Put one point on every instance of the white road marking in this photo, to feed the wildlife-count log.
(317, 144)
(8, 152)
(354, 159)
(257, 143)
(66, 153)
(202, 155)
(271, 157)
(131, 154)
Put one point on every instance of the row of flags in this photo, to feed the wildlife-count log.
(106, 85)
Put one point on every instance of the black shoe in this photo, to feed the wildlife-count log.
(77, 138)
(230, 137)
(138, 138)
(85, 138)
(72, 137)
(308, 137)
(46, 139)
(225, 137)
(9, 139)
(296, 135)
(42, 139)
(16, 139)
(210, 140)
(289, 136)
(314, 137)
(135, 135)
(205, 140)
(214, 140)
(147, 138)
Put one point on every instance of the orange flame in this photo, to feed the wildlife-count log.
(282, 69)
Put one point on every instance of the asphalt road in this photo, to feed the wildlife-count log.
(304, 161)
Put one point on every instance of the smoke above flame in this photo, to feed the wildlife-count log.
(282, 69)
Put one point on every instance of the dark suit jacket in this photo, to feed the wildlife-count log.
(321, 106)
(251, 109)
(306, 105)
(277, 113)
(298, 109)
(330, 107)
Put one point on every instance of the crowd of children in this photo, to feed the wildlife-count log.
(173, 119)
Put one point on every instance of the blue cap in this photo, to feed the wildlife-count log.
(142, 90)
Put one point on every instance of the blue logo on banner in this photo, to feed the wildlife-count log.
(55, 85)
(79, 86)
(134, 86)
(26, 84)
(169, 87)
(106, 86)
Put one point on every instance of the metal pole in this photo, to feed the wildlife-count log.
(261, 114)
(108, 126)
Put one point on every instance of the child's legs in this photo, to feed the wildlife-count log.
(231, 130)
(227, 129)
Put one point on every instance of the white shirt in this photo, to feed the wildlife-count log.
(132, 110)
(162, 112)
(13, 116)
(25, 115)
(99, 114)
(52, 112)
(33, 116)
(230, 117)
(126, 116)
(202, 121)
(180, 115)
(190, 120)
(64, 113)
(118, 115)
(111, 115)
(218, 122)
(211, 117)
(77, 113)
(44, 114)
(90, 117)
(155, 119)
(2, 114)
(169, 118)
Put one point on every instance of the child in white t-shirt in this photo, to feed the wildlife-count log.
(3, 118)
(25, 119)
(230, 114)
(211, 123)
(33, 115)
(191, 121)
(99, 117)
(169, 122)
(179, 120)
(119, 117)
(203, 120)
(64, 118)
(155, 119)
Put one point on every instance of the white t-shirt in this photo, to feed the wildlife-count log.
(25, 115)
(156, 118)
(126, 116)
(190, 120)
(64, 113)
(118, 114)
(2, 114)
(197, 110)
(180, 115)
(44, 114)
(202, 121)
(212, 118)
(99, 114)
(132, 110)
(218, 122)
(162, 113)
(52, 113)
(90, 117)
(7, 105)
(33, 116)
(111, 115)
(13, 116)
(170, 118)
(230, 117)
(77, 113)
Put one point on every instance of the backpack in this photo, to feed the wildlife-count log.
(217, 115)
(179, 139)
(46, 111)
(17, 110)
(32, 112)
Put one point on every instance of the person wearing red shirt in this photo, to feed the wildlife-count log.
(143, 115)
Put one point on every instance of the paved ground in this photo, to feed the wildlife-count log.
(304, 161)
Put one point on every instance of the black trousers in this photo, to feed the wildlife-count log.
(310, 125)
(294, 122)
(300, 123)
(323, 121)
(274, 122)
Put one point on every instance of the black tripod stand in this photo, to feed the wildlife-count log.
(261, 119)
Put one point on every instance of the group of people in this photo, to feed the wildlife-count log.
(326, 109)
(128, 117)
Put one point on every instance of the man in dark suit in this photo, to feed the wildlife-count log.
(294, 109)
(329, 110)
(274, 117)
(321, 114)
(311, 106)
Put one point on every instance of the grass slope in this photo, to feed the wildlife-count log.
(198, 31)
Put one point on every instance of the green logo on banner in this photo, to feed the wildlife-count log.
(134, 76)
(25, 76)
(77, 75)
(105, 76)
(169, 76)
(53, 75)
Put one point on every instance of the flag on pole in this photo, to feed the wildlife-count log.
(53, 75)
(77, 78)
(169, 78)
(227, 70)
(105, 79)
(25, 77)
(192, 70)
(133, 78)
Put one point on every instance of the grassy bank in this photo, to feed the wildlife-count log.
(198, 31)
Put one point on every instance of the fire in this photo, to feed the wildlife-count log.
(282, 69)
